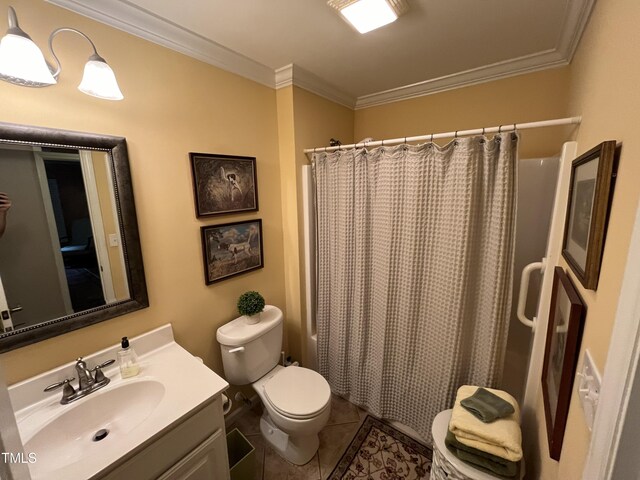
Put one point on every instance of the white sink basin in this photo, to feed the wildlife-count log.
(134, 411)
(68, 438)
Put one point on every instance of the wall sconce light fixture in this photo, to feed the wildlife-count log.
(22, 63)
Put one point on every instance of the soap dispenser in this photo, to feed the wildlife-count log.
(128, 360)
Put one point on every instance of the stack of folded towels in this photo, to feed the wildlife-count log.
(484, 431)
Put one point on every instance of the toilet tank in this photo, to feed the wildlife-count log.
(259, 346)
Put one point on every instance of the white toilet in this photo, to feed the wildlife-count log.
(297, 401)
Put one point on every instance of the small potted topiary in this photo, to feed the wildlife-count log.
(250, 304)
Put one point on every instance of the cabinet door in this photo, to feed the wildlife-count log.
(208, 461)
(167, 448)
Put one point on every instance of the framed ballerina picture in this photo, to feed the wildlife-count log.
(224, 184)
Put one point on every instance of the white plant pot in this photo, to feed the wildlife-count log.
(252, 319)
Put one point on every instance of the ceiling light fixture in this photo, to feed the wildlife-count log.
(22, 63)
(367, 15)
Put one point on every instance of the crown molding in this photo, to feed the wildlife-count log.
(295, 75)
(144, 24)
(284, 76)
(575, 21)
(496, 71)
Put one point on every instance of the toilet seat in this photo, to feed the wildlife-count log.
(297, 392)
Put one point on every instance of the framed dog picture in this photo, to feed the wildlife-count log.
(564, 333)
(224, 184)
(231, 249)
(590, 192)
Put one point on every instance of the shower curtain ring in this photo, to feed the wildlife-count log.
(482, 130)
(514, 127)
(431, 139)
(455, 136)
(500, 129)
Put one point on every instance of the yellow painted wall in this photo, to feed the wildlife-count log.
(289, 199)
(173, 105)
(604, 90)
(525, 98)
(304, 120)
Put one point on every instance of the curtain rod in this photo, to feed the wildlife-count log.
(459, 133)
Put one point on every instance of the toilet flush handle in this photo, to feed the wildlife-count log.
(235, 350)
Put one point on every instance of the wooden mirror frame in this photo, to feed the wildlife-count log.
(116, 148)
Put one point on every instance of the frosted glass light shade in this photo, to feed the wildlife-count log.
(100, 81)
(21, 59)
(367, 15)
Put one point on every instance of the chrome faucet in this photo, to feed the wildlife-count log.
(85, 380)
(86, 383)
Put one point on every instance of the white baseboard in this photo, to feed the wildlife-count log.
(238, 412)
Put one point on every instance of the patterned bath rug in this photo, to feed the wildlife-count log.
(380, 452)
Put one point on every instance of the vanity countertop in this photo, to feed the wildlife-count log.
(171, 383)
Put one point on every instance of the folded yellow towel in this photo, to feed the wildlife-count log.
(501, 438)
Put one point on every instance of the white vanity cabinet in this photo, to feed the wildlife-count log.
(205, 463)
(193, 449)
(166, 422)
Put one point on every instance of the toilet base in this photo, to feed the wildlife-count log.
(297, 450)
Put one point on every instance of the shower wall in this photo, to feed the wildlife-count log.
(536, 190)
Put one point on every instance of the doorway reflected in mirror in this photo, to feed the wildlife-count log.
(55, 266)
(61, 252)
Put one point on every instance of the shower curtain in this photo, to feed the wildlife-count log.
(415, 261)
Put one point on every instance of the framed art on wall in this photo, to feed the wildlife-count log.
(592, 180)
(224, 184)
(564, 333)
(231, 249)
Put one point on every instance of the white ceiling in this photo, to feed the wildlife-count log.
(436, 45)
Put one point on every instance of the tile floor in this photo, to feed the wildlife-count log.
(334, 438)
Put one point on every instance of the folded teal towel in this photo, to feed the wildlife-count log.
(487, 406)
(482, 460)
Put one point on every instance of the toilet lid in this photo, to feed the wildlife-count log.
(298, 392)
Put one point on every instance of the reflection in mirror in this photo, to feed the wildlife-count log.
(61, 251)
(69, 247)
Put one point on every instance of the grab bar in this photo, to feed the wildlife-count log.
(524, 290)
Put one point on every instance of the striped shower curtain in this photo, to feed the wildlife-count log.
(415, 264)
